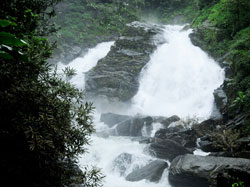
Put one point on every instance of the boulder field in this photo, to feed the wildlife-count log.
(175, 142)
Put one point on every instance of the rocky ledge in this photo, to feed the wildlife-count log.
(196, 171)
(116, 75)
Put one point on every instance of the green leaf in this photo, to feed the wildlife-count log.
(241, 94)
(5, 55)
(10, 39)
(5, 23)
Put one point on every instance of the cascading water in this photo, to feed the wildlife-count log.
(179, 79)
(83, 64)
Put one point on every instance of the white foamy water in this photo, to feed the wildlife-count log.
(179, 79)
(86, 63)
(104, 151)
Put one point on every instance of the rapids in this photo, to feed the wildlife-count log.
(179, 80)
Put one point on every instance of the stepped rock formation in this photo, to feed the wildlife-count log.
(116, 75)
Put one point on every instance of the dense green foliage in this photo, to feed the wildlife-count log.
(85, 23)
(44, 121)
(170, 11)
(225, 29)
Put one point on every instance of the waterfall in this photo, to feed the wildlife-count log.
(83, 64)
(178, 80)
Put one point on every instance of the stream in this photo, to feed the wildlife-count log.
(179, 80)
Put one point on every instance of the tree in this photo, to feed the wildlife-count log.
(44, 120)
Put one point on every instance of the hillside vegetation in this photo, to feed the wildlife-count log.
(85, 23)
(222, 28)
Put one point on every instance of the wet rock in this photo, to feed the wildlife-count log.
(185, 137)
(242, 154)
(116, 75)
(220, 99)
(132, 127)
(152, 172)
(122, 163)
(245, 142)
(207, 146)
(203, 171)
(221, 154)
(238, 121)
(205, 127)
(167, 121)
(167, 149)
(111, 119)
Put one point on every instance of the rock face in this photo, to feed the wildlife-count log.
(220, 99)
(116, 75)
(152, 172)
(198, 171)
(167, 149)
(133, 127)
(205, 127)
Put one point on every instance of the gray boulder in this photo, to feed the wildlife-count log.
(199, 171)
(111, 119)
(206, 127)
(185, 138)
(220, 98)
(133, 127)
(116, 76)
(152, 172)
(167, 121)
(207, 146)
(167, 149)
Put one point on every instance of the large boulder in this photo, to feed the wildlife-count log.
(199, 171)
(167, 149)
(167, 121)
(111, 119)
(133, 127)
(116, 76)
(185, 137)
(152, 172)
(206, 127)
(207, 146)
